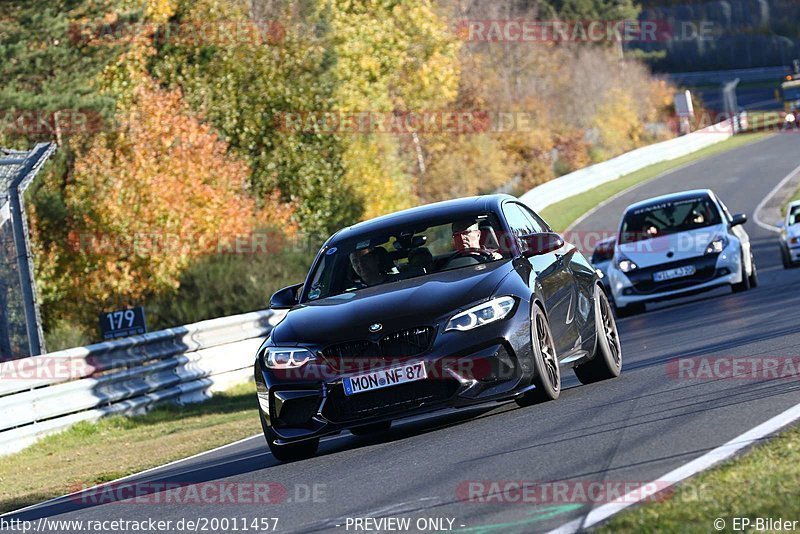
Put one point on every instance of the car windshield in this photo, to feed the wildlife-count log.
(668, 217)
(399, 254)
(794, 216)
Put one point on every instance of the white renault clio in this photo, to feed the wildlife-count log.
(678, 244)
(790, 236)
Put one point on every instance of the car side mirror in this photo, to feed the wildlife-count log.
(540, 243)
(739, 218)
(285, 298)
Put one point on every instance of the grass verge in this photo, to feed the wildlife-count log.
(794, 198)
(561, 214)
(92, 453)
(761, 483)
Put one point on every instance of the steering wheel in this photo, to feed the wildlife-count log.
(471, 251)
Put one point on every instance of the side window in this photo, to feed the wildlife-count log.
(518, 220)
(538, 224)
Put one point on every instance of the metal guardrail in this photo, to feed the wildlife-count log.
(593, 176)
(20, 324)
(723, 76)
(44, 394)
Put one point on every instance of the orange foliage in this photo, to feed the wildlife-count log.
(150, 196)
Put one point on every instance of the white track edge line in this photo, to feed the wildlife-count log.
(772, 193)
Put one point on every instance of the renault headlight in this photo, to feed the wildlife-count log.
(717, 245)
(286, 357)
(482, 314)
(625, 265)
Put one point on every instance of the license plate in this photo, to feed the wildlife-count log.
(384, 378)
(678, 272)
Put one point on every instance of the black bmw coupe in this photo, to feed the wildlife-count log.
(446, 305)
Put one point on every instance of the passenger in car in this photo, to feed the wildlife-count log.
(420, 261)
(370, 265)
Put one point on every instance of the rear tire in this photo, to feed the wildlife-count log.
(607, 359)
(547, 372)
(289, 452)
(374, 428)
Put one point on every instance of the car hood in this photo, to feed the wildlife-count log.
(793, 230)
(397, 305)
(672, 247)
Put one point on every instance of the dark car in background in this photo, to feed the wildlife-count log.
(602, 255)
(446, 305)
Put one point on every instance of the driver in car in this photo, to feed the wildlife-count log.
(467, 235)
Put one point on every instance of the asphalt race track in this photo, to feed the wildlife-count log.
(635, 428)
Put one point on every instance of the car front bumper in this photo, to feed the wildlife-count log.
(463, 368)
(712, 271)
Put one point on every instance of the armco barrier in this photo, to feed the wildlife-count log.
(44, 394)
(590, 177)
(722, 76)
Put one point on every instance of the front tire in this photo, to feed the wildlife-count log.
(787, 261)
(547, 371)
(753, 273)
(289, 452)
(607, 360)
(744, 285)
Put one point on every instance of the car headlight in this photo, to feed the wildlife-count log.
(717, 245)
(482, 314)
(625, 265)
(286, 357)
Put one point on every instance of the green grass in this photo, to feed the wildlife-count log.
(763, 482)
(92, 453)
(564, 213)
(796, 196)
